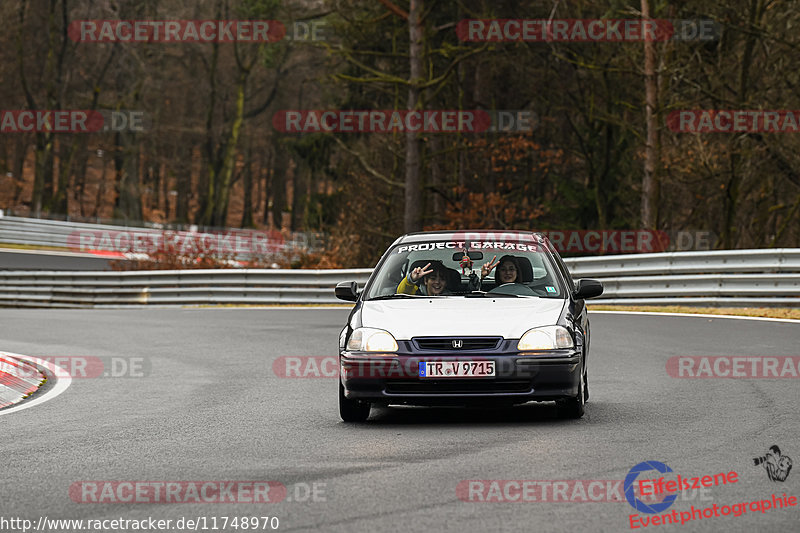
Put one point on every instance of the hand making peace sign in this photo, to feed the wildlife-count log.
(488, 266)
(420, 272)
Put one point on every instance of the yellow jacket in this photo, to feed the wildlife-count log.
(406, 287)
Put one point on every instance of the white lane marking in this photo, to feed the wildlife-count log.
(653, 313)
(700, 315)
(63, 380)
(345, 306)
(262, 307)
(48, 252)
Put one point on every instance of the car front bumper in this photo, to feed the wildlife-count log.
(519, 378)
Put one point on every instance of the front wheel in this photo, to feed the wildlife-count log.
(352, 410)
(573, 407)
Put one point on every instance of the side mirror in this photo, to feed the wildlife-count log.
(587, 288)
(347, 291)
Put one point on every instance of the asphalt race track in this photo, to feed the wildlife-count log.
(206, 404)
(48, 260)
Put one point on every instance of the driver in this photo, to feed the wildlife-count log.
(435, 284)
(507, 269)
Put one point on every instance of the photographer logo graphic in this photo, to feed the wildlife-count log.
(777, 466)
(630, 484)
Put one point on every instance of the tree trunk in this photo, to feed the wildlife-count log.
(413, 197)
(229, 158)
(731, 198)
(267, 172)
(80, 180)
(183, 183)
(208, 182)
(154, 179)
(20, 153)
(247, 183)
(126, 161)
(280, 168)
(101, 190)
(300, 179)
(437, 183)
(43, 172)
(60, 201)
(649, 208)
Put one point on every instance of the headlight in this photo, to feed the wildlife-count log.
(546, 338)
(372, 340)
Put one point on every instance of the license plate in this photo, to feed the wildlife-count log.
(456, 369)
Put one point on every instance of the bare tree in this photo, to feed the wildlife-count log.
(650, 180)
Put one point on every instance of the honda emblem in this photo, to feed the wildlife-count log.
(458, 343)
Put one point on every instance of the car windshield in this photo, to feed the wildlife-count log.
(514, 269)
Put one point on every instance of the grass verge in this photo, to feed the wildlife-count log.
(12, 246)
(767, 312)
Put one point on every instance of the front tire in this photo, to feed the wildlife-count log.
(573, 408)
(585, 387)
(352, 410)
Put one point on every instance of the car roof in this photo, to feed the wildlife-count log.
(472, 234)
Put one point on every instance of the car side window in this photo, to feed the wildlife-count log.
(561, 266)
(393, 271)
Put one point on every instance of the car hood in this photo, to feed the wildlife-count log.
(442, 317)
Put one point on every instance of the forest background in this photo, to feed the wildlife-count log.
(601, 154)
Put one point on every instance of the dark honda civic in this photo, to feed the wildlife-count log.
(476, 317)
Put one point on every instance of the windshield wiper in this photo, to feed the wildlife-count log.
(484, 294)
(392, 297)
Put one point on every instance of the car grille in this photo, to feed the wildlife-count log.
(457, 386)
(467, 343)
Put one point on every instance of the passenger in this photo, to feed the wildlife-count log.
(507, 270)
(435, 280)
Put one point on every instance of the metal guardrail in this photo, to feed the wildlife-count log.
(716, 261)
(173, 287)
(716, 278)
(55, 233)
